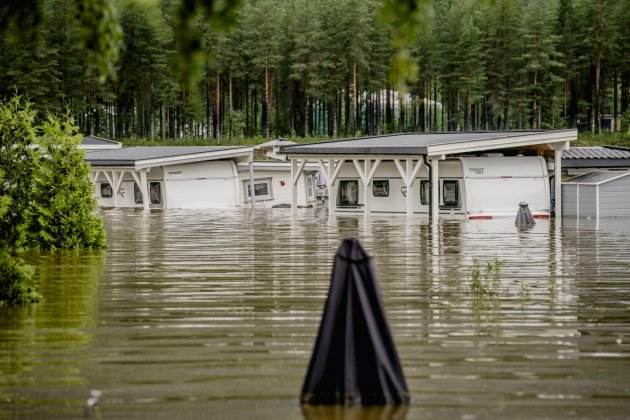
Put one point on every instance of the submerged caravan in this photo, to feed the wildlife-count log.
(474, 174)
(160, 177)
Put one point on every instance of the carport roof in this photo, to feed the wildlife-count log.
(431, 143)
(146, 156)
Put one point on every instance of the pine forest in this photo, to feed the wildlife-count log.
(328, 68)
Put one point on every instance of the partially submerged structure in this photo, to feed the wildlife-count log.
(477, 174)
(272, 184)
(582, 160)
(194, 177)
(169, 177)
(597, 194)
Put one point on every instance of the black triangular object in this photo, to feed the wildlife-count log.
(354, 360)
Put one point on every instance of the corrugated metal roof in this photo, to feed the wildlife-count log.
(403, 144)
(97, 141)
(596, 152)
(597, 177)
(130, 155)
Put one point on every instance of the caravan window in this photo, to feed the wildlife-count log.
(106, 190)
(380, 188)
(137, 194)
(450, 193)
(262, 189)
(425, 192)
(348, 195)
(155, 192)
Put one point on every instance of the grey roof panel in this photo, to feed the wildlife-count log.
(596, 152)
(97, 141)
(399, 143)
(596, 177)
(128, 156)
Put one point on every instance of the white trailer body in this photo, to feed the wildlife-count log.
(478, 187)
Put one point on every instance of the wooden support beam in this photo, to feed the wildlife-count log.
(144, 188)
(252, 190)
(295, 177)
(294, 168)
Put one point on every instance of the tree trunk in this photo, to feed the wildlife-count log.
(265, 109)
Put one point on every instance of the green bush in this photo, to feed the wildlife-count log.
(17, 168)
(46, 197)
(63, 210)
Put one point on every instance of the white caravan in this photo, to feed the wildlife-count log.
(478, 187)
(190, 177)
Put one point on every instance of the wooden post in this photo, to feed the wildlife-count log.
(367, 183)
(332, 190)
(293, 186)
(435, 190)
(557, 172)
(252, 192)
(409, 185)
(144, 188)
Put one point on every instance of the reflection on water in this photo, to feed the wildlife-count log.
(214, 314)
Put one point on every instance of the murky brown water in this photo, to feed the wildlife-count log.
(214, 313)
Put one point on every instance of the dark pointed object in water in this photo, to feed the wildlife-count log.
(354, 360)
(524, 217)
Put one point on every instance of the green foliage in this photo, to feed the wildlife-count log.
(17, 158)
(101, 34)
(16, 279)
(62, 214)
(16, 176)
(46, 197)
(486, 282)
(215, 69)
(621, 139)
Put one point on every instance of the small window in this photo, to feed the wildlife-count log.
(380, 188)
(262, 189)
(348, 195)
(450, 193)
(137, 194)
(155, 192)
(106, 190)
(425, 192)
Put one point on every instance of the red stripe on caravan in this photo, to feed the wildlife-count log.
(541, 216)
(480, 217)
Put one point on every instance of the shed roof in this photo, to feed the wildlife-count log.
(431, 143)
(160, 155)
(597, 152)
(596, 178)
(596, 156)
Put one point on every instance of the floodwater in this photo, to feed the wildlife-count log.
(213, 314)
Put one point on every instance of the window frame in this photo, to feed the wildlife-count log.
(458, 203)
(380, 194)
(267, 181)
(111, 189)
(159, 184)
(339, 190)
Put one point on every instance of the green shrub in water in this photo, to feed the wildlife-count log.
(46, 197)
(17, 169)
(63, 210)
(488, 282)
